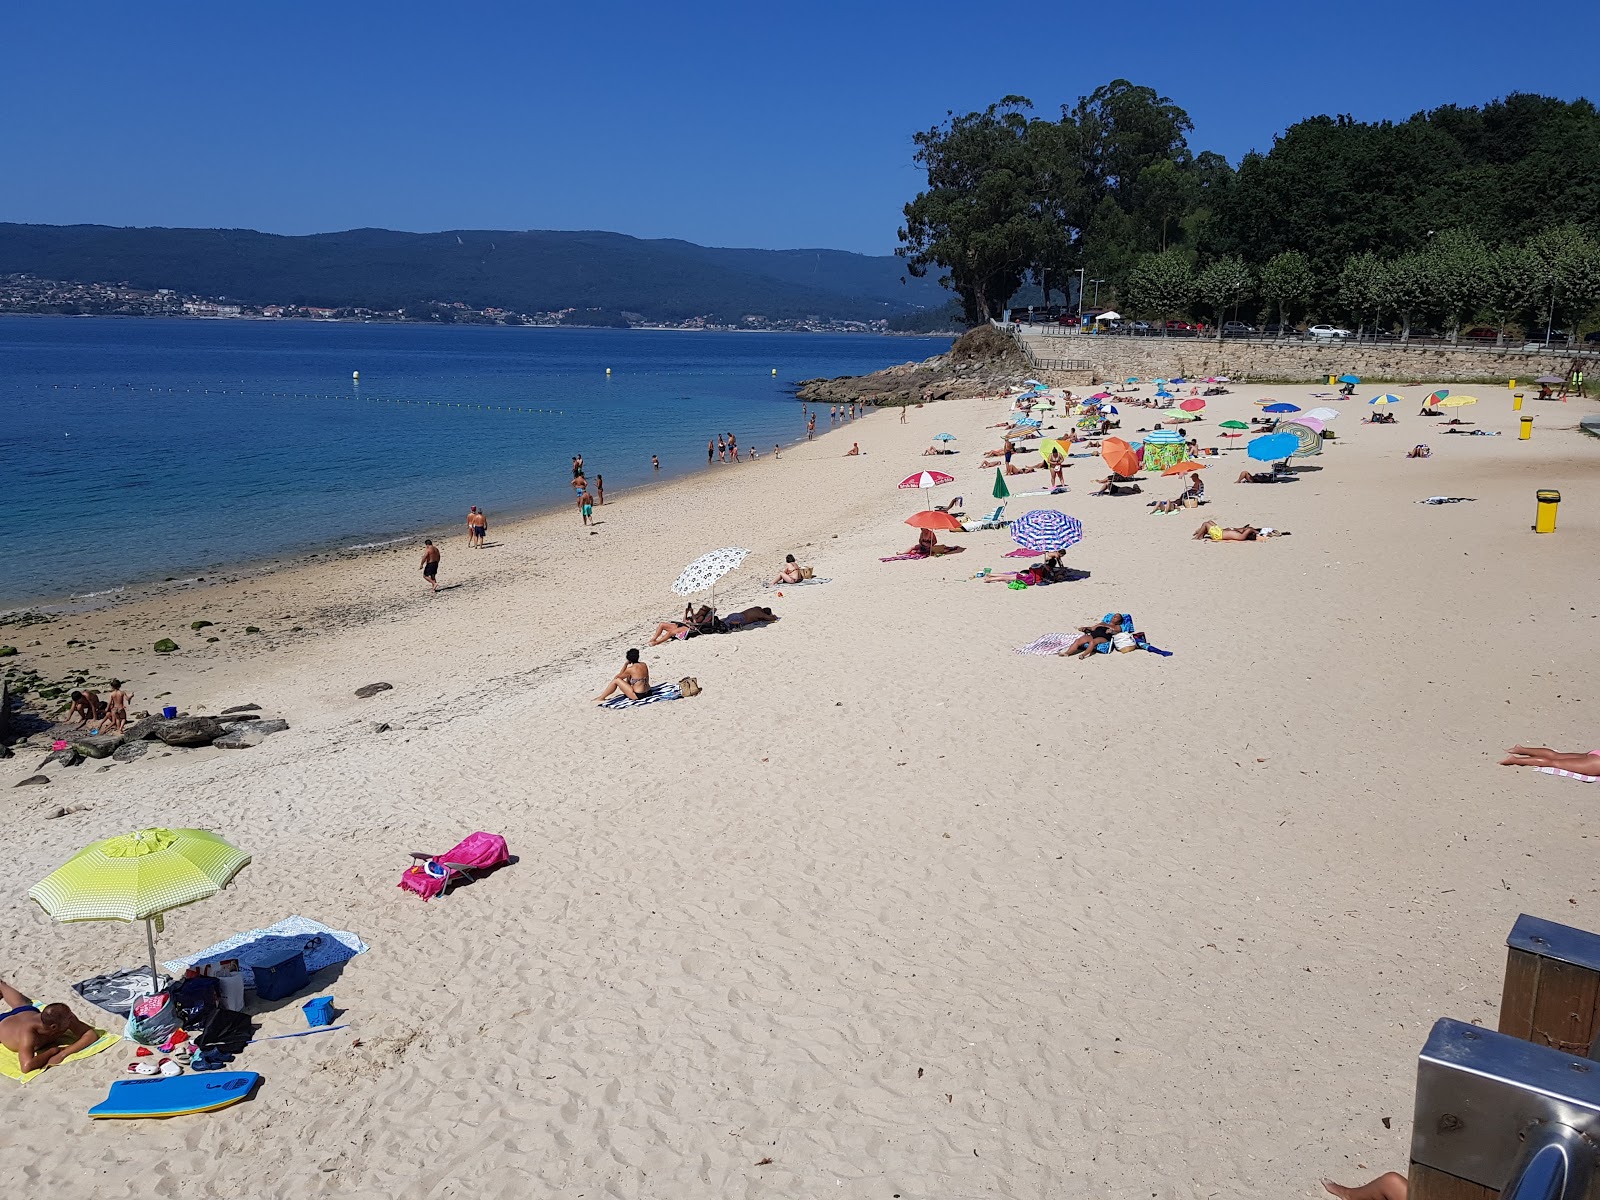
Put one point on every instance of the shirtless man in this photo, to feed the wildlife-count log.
(477, 523)
(430, 563)
(116, 708)
(86, 707)
(40, 1037)
(855, 449)
(586, 507)
(633, 681)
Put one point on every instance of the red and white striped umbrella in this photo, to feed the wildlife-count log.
(925, 480)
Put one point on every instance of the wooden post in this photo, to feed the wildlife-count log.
(1552, 986)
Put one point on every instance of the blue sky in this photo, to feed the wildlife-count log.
(727, 124)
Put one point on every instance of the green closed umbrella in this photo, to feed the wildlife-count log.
(138, 877)
(1001, 491)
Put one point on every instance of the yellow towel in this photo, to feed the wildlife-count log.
(11, 1066)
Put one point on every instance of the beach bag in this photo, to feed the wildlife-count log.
(153, 1019)
(1190, 502)
(689, 686)
(283, 978)
(196, 999)
(807, 573)
(1124, 642)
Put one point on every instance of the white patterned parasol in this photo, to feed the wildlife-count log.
(704, 571)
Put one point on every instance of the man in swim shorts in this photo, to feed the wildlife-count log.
(40, 1037)
(586, 507)
(430, 563)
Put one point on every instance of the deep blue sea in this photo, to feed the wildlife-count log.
(137, 450)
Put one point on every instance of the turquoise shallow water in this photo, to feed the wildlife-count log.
(135, 450)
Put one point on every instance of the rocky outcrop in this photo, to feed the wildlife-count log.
(31, 781)
(242, 738)
(190, 731)
(129, 751)
(372, 689)
(241, 708)
(981, 362)
(102, 746)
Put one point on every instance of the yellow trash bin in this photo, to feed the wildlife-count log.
(1516, 401)
(1545, 520)
(1527, 429)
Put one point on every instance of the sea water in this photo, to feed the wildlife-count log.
(135, 450)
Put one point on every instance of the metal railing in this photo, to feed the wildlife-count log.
(1560, 349)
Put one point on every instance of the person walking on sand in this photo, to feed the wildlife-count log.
(600, 489)
(586, 507)
(472, 527)
(430, 563)
(116, 709)
(902, 414)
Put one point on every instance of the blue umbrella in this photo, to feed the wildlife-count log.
(1281, 407)
(1349, 379)
(1273, 446)
(944, 437)
(1044, 530)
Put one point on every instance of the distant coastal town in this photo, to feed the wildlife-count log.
(32, 296)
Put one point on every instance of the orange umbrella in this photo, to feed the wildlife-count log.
(1119, 456)
(1184, 468)
(933, 519)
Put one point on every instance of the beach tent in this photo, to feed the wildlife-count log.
(1164, 448)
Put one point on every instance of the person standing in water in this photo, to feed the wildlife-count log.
(430, 563)
(655, 463)
(600, 489)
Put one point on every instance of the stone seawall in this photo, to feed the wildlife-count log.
(1089, 359)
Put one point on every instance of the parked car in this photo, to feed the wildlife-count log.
(1328, 332)
(1482, 333)
(1275, 330)
(1237, 328)
(1182, 328)
(1592, 338)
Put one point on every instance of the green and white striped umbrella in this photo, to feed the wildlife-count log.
(139, 876)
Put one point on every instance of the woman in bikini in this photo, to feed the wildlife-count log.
(791, 572)
(633, 681)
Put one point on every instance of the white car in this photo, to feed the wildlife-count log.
(1327, 332)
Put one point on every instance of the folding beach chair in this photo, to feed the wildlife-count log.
(432, 875)
(994, 520)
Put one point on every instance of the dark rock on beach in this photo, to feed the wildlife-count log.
(241, 708)
(98, 747)
(143, 729)
(190, 731)
(67, 757)
(242, 738)
(372, 689)
(271, 726)
(129, 751)
(33, 779)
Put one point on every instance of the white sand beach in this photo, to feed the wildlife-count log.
(888, 910)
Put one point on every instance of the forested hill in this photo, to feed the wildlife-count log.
(529, 271)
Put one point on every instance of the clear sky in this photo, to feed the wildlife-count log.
(743, 124)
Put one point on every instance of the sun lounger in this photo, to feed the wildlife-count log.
(994, 520)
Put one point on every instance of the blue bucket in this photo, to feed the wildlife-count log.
(318, 1011)
(169, 712)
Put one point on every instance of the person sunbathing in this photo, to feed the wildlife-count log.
(936, 450)
(1240, 533)
(792, 571)
(1430, 412)
(1476, 432)
(1196, 491)
(1046, 570)
(953, 507)
(1578, 762)
(927, 544)
(1112, 489)
(749, 616)
(633, 681)
(1257, 477)
(40, 1037)
(1097, 635)
(855, 449)
(1421, 451)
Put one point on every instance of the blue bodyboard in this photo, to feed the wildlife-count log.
(176, 1097)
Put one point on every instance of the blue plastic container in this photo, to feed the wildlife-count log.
(318, 1011)
(169, 712)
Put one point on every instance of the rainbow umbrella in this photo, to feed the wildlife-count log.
(1386, 399)
(139, 877)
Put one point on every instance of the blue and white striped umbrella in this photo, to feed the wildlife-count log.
(1045, 530)
(1160, 436)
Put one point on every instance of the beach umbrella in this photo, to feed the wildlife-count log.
(1281, 407)
(925, 480)
(1435, 397)
(1324, 413)
(1107, 395)
(1309, 422)
(1181, 416)
(1549, 379)
(138, 877)
(1457, 401)
(1230, 435)
(1308, 441)
(944, 437)
(1033, 383)
(1111, 410)
(1386, 399)
(1119, 456)
(1349, 379)
(1162, 448)
(1163, 436)
(1184, 467)
(1193, 405)
(1044, 531)
(1234, 425)
(1049, 444)
(933, 519)
(704, 571)
(1001, 491)
(1109, 316)
(1272, 446)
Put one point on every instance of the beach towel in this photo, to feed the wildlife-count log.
(11, 1066)
(1569, 774)
(323, 947)
(903, 557)
(1446, 499)
(665, 691)
(802, 583)
(1048, 645)
(116, 991)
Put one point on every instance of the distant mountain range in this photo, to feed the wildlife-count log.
(529, 271)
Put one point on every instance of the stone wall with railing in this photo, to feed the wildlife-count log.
(1091, 358)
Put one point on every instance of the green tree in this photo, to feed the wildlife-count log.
(1454, 267)
(1510, 282)
(1360, 289)
(1405, 287)
(1161, 284)
(1565, 264)
(1224, 282)
(1287, 280)
(977, 219)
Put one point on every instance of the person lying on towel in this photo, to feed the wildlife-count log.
(40, 1037)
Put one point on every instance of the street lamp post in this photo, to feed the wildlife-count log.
(1080, 299)
(1097, 283)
